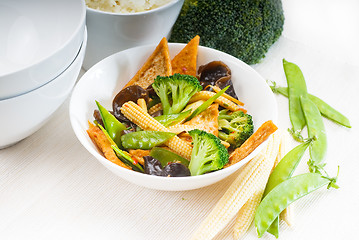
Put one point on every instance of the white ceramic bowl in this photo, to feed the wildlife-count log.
(109, 33)
(104, 80)
(23, 115)
(39, 39)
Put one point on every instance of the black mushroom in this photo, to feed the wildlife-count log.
(130, 93)
(154, 167)
(216, 73)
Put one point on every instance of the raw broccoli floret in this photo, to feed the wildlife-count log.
(175, 91)
(243, 28)
(235, 128)
(208, 153)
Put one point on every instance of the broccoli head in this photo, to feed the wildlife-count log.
(208, 153)
(235, 128)
(243, 28)
(175, 91)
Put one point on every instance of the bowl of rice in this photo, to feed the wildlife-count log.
(114, 26)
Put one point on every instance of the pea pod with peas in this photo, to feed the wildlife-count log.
(283, 195)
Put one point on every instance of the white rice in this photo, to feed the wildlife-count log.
(125, 6)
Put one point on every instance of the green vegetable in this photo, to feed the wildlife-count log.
(145, 139)
(207, 103)
(113, 127)
(296, 89)
(243, 28)
(172, 119)
(316, 130)
(165, 156)
(175, 91)
(235, 128)
(121, 154)
(208, 153)
(283, 195)
(127, 159)
(325, 109)
(283, 171)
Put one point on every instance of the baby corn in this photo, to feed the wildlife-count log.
(247, 212)
(141, 118)
(155, 108)
(251, 178)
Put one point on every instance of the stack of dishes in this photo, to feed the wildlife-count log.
(42, 46)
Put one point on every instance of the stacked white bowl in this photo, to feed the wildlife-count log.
(42, 46)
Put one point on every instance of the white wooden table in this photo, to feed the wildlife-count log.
(51, 188)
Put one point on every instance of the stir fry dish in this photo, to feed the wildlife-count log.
(174, 121)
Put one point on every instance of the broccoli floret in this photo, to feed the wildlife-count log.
(243, 28)
(208, 153)
(175, 91)
(235, 128)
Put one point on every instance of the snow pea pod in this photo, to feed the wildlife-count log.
(113, 127)
(296, 88)
(283, 171)
(207, 103)
(325, 109)
(171, 119)
(145, 139)
(316, 130)
(283, 195)
(123, 156)
(165, 156)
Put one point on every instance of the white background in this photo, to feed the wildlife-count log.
(51, 188)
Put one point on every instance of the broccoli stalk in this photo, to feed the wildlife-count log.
(235, 128)
(175, 91)
(208, 153)
(243, 28)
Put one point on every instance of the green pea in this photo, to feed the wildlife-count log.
(171, 119)
(165, 156)
(283, 195)
(296, 88)
(316, 130)
(145, 139)
(325, 109)
(282, 172)
(113, 127)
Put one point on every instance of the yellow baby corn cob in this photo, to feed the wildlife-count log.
(246, 215)
(224, 102)
(142, 103)
(247, 212)
(141, 118)
(155, 108)
(251, 178)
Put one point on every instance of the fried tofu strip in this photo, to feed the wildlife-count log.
(104, 145)
(138, 154)
(252, 142)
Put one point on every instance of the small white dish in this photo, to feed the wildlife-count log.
(104, 80)
(23, 115)
(39, 39)
(109, 32)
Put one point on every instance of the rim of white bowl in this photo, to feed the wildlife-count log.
(83, 45)
(78, 28)
(228, 171)
(167, 5)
